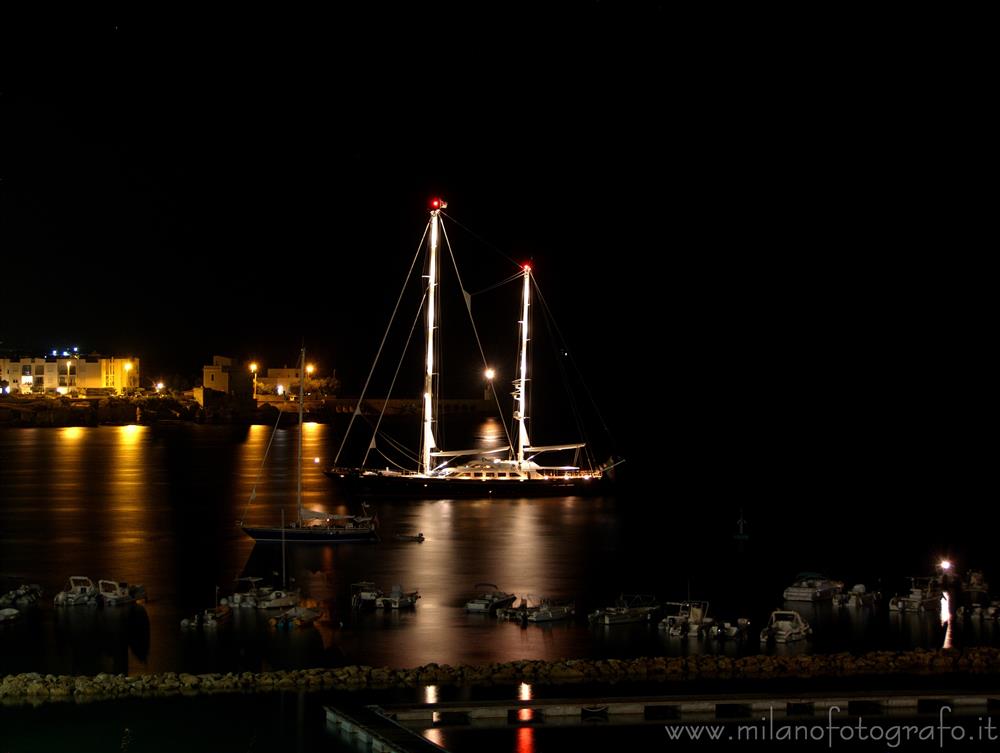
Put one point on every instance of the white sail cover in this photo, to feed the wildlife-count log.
(476, 451)
(554, 447)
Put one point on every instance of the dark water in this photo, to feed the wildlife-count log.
(159, 507)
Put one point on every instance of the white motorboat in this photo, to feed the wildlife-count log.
(813, 587)
(858, 596)
(730, 631)
(9, 614)
(23, 596)
(112, 593)
(686, 619)
(364, 594)
(489, 601)
(279, 598)
(79, 590)
(975, 589)
(785, 626)
(248, 594)
(630, 608)
(397, 599)
(418, 537)
(210, 619)
(549, 611)
(924, 593)
(296, 617)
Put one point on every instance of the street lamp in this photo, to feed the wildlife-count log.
(253, 368)
(128, 375)
(489, 374)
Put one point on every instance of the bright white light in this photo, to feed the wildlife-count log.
(945, 565)
(54, 353)
(61, 390)
(75, 349)
(316, 460)
(159, 385)
(490, 373)
(281, 389)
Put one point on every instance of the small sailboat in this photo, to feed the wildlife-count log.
(313, 526)
(441, 473)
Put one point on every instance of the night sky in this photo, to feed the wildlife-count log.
(759, 259)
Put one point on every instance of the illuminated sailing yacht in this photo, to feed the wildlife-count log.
(482, 472)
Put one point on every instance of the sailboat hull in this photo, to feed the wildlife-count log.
(376, 485)
(312, 535)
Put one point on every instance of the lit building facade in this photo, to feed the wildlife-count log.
(69, 374)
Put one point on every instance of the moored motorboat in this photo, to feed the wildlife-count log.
(686, 619)
(785, 626)
(114, 593)
(79, 590)
(813, 587)
(418, 537)
(924, 593)
(549, 611)
(397, 598)
(490, 600)
(630, 608)
(857, 597)
(23, 596)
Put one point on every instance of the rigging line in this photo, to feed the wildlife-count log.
(571, 397)
(513, 278)
(390, 460)
(385, 335)
(263, 460)
(586, 389)
(475, 331)
(481, 239)
(392, 384)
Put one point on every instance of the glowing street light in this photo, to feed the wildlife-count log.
(159, 386)
(490, 373)
(253, 368)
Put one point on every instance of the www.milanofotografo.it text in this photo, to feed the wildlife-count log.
(943, 732)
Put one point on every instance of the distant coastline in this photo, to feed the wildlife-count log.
(38, 411)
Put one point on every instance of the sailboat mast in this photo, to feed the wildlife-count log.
(302, 403)
(521, 393)
(427, 445)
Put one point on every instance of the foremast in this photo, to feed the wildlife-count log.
(427, 444)
(521, 383)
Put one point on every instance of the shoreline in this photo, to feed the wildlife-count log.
(36, 688)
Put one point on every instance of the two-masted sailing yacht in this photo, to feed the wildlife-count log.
(501, 472)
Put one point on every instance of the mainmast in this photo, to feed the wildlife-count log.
(521, 383)
(428, 444)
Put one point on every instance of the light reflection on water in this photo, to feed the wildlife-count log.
(158, 507)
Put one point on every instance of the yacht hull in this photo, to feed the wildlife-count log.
(374, 485)
(315, 535)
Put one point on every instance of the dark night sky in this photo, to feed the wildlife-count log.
(759, 252)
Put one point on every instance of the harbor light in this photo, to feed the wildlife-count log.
(490, 373)
(159, 386)
(310, 369)
(945, 565)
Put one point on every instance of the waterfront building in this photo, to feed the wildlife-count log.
(69, 373)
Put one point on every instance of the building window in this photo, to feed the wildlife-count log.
(26, 371)
(40, 370)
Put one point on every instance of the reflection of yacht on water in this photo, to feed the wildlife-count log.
(510, 470)
(312, 526)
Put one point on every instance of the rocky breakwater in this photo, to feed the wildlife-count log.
(38, 688)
